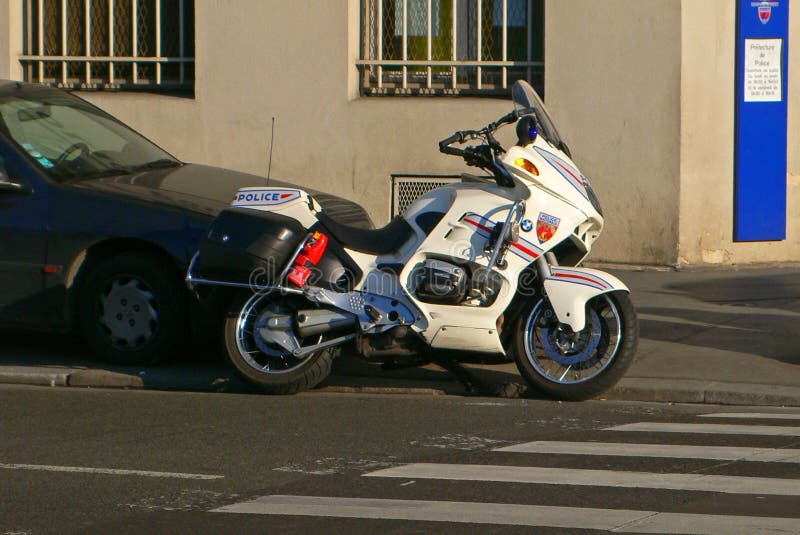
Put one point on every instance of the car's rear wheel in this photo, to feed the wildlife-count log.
(132, 309)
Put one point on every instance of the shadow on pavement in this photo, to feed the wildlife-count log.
(759, 315)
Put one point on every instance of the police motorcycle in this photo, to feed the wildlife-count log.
(486, 266)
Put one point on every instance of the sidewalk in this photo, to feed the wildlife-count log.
(726, 336)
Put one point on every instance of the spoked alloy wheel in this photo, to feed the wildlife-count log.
(262, 362)
(577, 365)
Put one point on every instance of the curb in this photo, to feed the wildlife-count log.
(104, 379)
(409, 391)
(693, 391)
(35, 378)
(629, 389)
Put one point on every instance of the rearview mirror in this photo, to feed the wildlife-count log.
(527, 130)
(34, 114)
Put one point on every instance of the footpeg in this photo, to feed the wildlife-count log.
(373, 313)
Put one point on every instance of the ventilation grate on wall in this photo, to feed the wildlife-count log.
(408, 188)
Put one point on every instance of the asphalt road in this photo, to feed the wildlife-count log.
(94, 461)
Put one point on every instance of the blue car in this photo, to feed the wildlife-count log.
(98, 225)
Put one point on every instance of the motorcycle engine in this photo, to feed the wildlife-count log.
(439, 282)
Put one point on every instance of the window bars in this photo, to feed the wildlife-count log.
(110, 44)
(450, 47)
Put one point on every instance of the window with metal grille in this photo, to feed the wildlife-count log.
(110, 44)
(450, 47)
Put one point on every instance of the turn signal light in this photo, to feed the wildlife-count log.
(527, 165)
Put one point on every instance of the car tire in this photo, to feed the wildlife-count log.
(132, 310)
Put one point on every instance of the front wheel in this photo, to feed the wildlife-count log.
(572, 366)
(267, 365)
(132, 309)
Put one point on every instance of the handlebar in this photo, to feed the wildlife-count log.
(460, 137)
(480, 156)
(463, 135)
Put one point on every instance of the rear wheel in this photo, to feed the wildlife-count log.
(576, 366)
(265, 364)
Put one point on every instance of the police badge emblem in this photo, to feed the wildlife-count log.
(546, 226)
(764, 9)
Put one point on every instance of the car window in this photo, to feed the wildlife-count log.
(70, 139)
(62, 127)
(6, 174)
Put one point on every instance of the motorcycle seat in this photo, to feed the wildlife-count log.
(371, 241)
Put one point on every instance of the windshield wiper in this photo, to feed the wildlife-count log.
(159, 164)
(103, 173)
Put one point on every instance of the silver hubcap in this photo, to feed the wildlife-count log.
(129, 312)
(565, 357)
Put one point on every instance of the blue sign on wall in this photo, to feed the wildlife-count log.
(762, 43)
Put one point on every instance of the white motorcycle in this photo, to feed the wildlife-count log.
(486, 266)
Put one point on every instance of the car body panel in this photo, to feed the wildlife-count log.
(23, 241)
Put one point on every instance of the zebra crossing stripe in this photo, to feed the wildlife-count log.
(616, 449)
(594, 478)
(105, 471)
(612, 520)
(715, 429)
(759, 415)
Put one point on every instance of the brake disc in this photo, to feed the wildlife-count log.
(569, 349)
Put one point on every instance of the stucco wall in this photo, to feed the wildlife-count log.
(10, 40)
(613, 83)
(707, 140)
(295, 61)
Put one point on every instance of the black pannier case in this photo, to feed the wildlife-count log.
(247, 246)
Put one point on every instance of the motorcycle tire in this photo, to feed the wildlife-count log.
(576, 366)
(265, 370)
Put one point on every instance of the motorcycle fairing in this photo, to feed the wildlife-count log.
(569, 289)
(570, 173)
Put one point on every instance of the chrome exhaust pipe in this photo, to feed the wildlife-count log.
(321, 321)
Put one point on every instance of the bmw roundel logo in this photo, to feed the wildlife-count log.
(527, 225)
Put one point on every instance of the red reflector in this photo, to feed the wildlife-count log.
(52, 269)
(309, 256)
(299, 275)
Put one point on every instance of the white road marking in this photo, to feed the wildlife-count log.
(683, 321)
(758, 415)
(614, 449)
(613, 520)
(715, 429)
(595, 478)
(106, 471)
